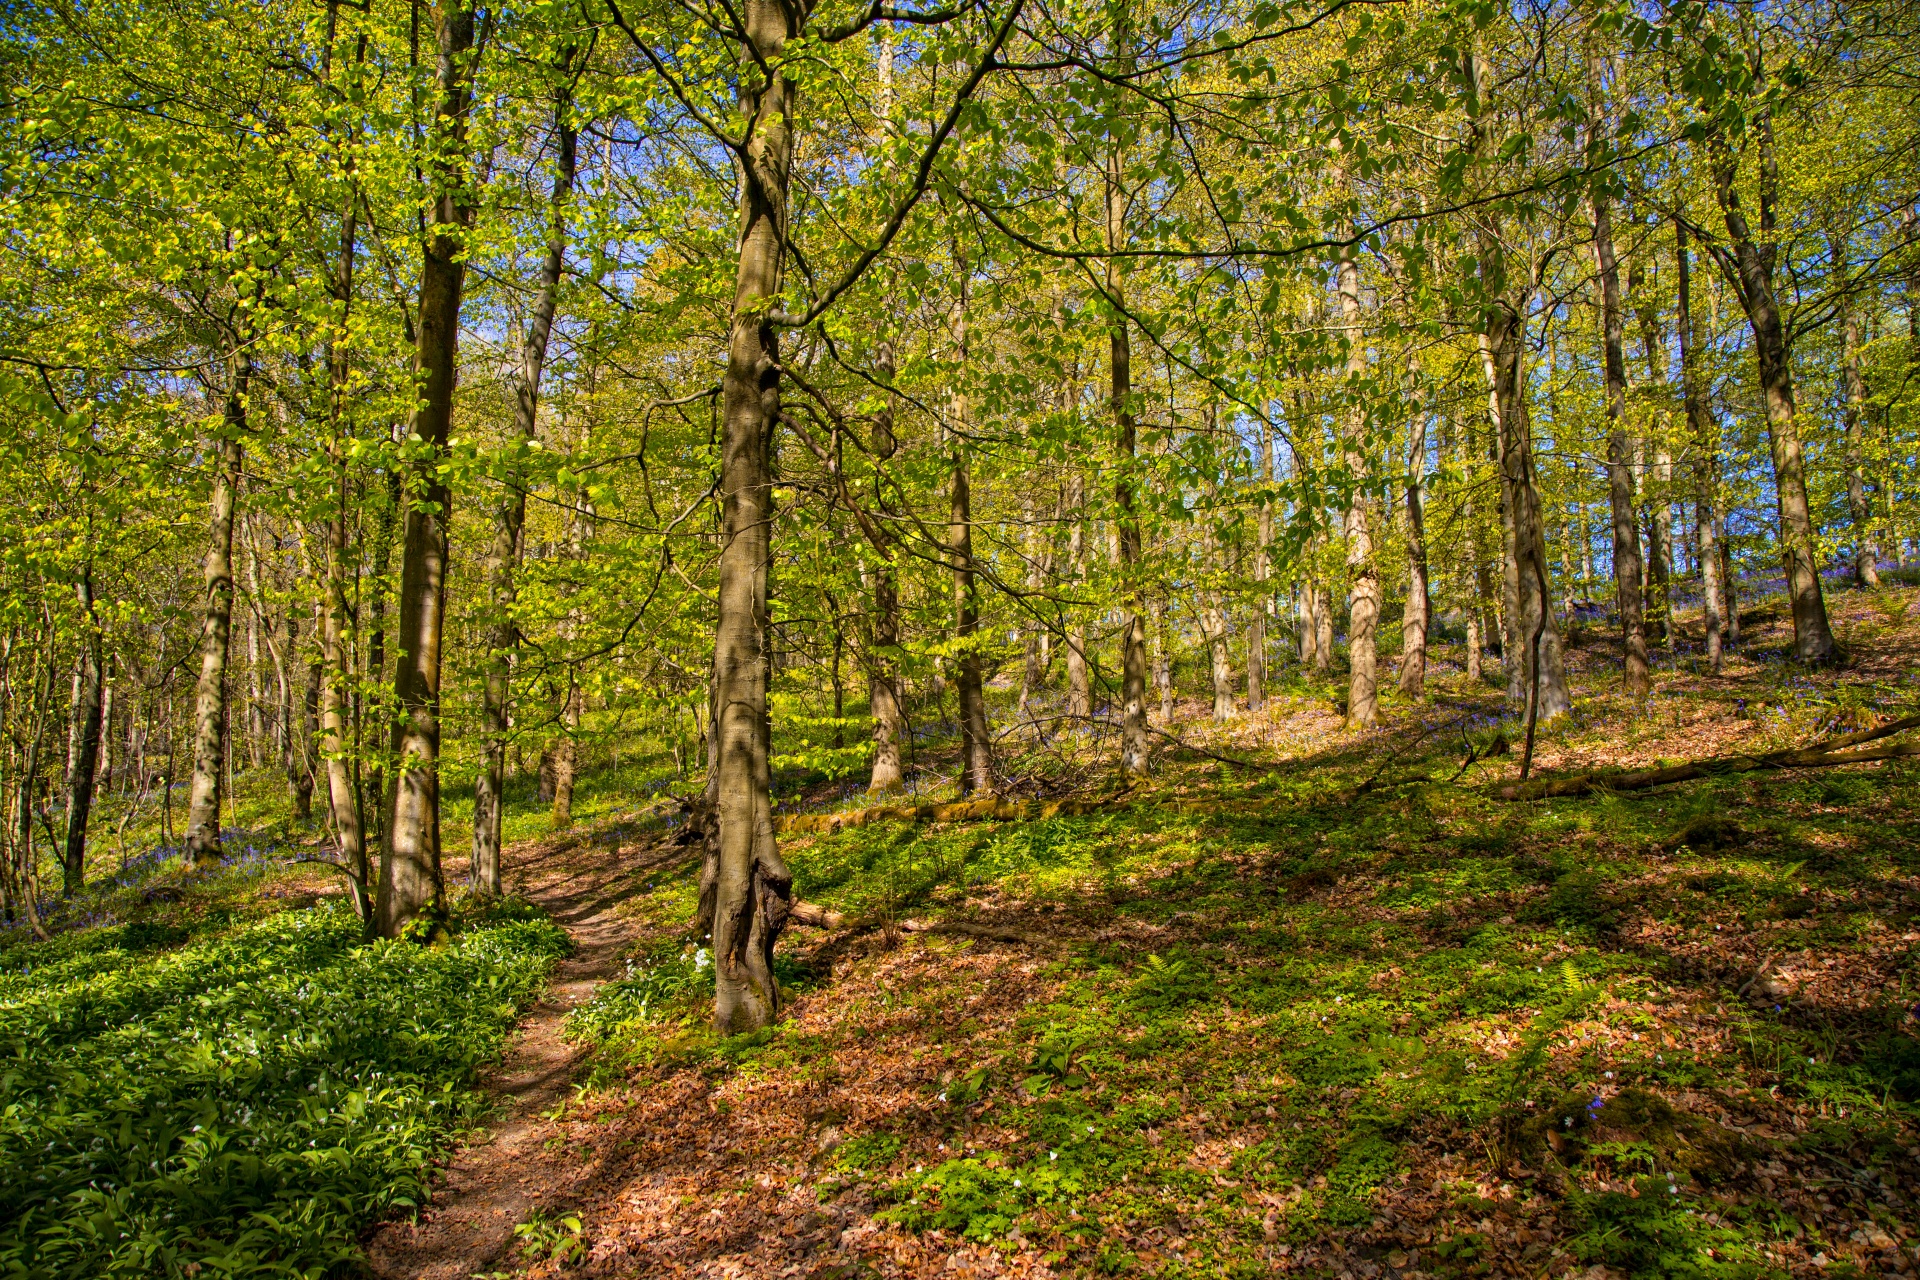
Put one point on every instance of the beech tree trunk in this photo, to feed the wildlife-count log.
(1363, 575)
(344, 799)
(1419, 610)
(1627, 568)
(1133, 640)
(1536, 634)
(85, 738)
(410, 879)
(1079, 683)
(1262, 572)
(296, 760)
(1706, 464)
(751, 894)
(1163, 659)
(216, 629)
(1866, 545)
(509, 518)
(1659, 492)
(1032, 672)
(566, 756)
(1749, 266)
(1213, 628)
(976, 742)
(345, 802)
(883, 663)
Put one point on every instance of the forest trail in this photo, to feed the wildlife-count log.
(502, 1178)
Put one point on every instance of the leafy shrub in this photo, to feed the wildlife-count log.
(1363, 1164)
(244, 1104)
(1653, 1236)
(1171, 983)
(980, 1199)
(669, 979)
(1577, 899)
(867, 1152)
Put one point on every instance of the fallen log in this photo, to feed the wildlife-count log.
(1821, 755)
(812, 915)
(991, 808)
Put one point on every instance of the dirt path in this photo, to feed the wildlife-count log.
(503, 1177)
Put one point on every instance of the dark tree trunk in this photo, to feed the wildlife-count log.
(85, 738)
(296, 760)
(1133, 640)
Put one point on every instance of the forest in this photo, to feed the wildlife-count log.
(828, 638)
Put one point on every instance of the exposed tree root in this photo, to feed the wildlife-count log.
(1821, 755)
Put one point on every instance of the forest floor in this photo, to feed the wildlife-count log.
(1313, 1002)
(1342, 1014)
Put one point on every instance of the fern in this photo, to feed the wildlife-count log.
(1570, 978)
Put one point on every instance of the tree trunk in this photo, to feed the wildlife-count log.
(297, 760)
(1262, 573)
(410, 880)
(84, 739)
(1133, 640)
(1536, 636)
(1749, 268)
(1706, 465)
(976, 767)
(1213, 629)
(1627, 567)
(1419, 610)
(1866, 546)
(510, 516)
(256, 724)
(1659, 492)
(216, 628)
(1079, 683)
(1363, 575)
(1031, 672)
(976, 741)
(373, 713)
(1163, 659)
(752, 888)
(345, 803)
(309, 738)
(883, 665)
(566, 756)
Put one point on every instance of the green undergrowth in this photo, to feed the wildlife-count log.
(658, 1014)
(190, 1095)
(1317, 997)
